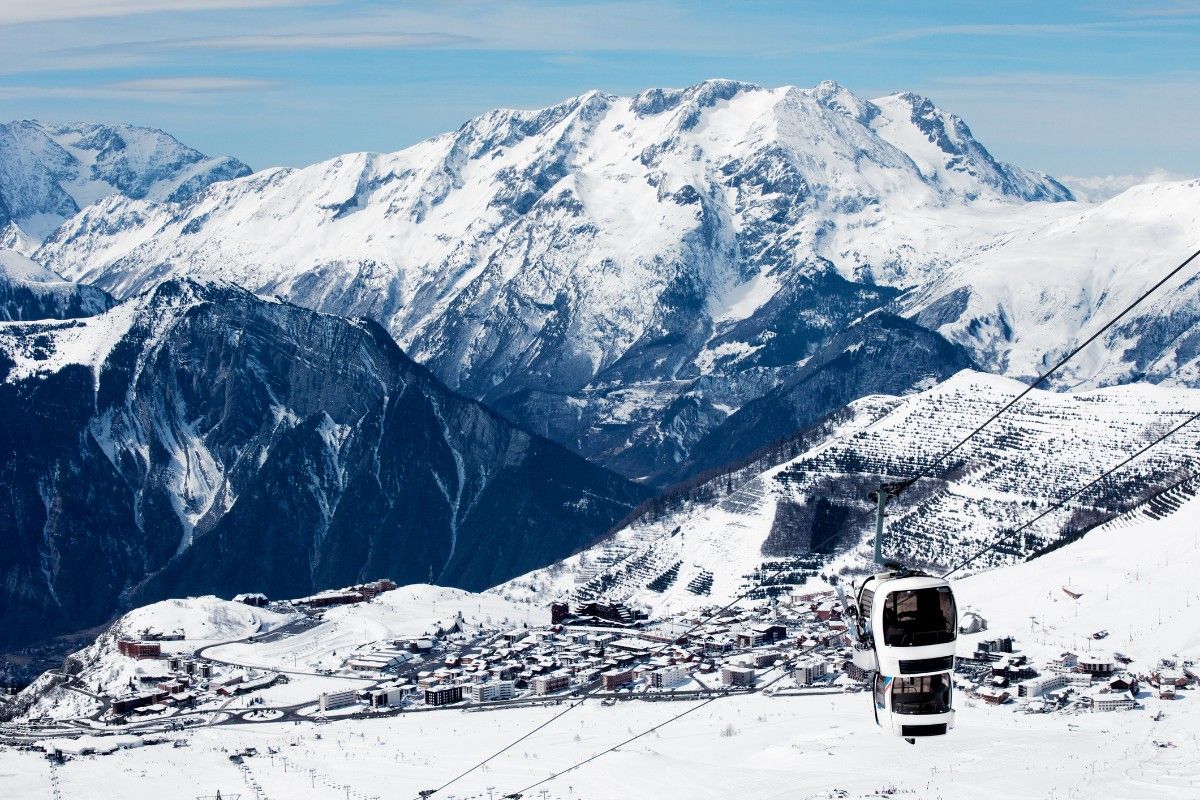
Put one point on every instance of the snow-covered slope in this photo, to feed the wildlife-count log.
(49, 172)
(102, 669)
(618, 273)
(1032, 295)
(29, 291)
(810, 511)
(199, 439)
(404, 613)
(1133, 572)
(1134, 576)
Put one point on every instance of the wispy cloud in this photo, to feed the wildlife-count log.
(1131, 26)
(18, 13)
(319, 41)
(1098, 188)
(200, 83)
(152, 89)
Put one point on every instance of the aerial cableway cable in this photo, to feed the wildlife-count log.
(1058, 505)
(1042, 378)
(1174, 484)
(617, 746)
(635, 737)
(674, 638)
(893, 489)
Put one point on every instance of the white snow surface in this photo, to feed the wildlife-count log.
(601, 203)
(406, 612)
(1047, 445)
(815, 748)
(51, 171)
(1022, 302)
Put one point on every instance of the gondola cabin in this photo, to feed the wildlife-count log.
(911, 624)
(914, 706)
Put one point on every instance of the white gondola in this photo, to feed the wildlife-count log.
(912, 626)
(905, 628)
(913, 622)
(914, 706)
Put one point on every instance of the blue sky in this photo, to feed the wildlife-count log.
(1074, 88)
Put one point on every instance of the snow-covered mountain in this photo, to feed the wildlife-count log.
(49, 172)
(29, 291)
(1030, 296)
(199, 439)
(803, 508)
(618, 273)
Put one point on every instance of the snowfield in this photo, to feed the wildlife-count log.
(750, 746)
(409, 611)
(812, 748)
(1133, 572)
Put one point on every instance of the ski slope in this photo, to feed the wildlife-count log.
(825, 747)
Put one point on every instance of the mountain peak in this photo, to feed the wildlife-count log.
(52, 171)
(697, 96)
(947, 152)
(836, 97)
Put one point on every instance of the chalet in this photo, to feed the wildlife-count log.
(1120, 684)
(1169, 677)
(256, 599)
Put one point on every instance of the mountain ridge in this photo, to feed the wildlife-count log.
(199, 439)
(601, 266)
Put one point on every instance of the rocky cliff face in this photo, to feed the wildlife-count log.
(198, 439)
(29, 291)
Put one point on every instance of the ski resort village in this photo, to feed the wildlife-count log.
(365, 691)
(598, 401)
